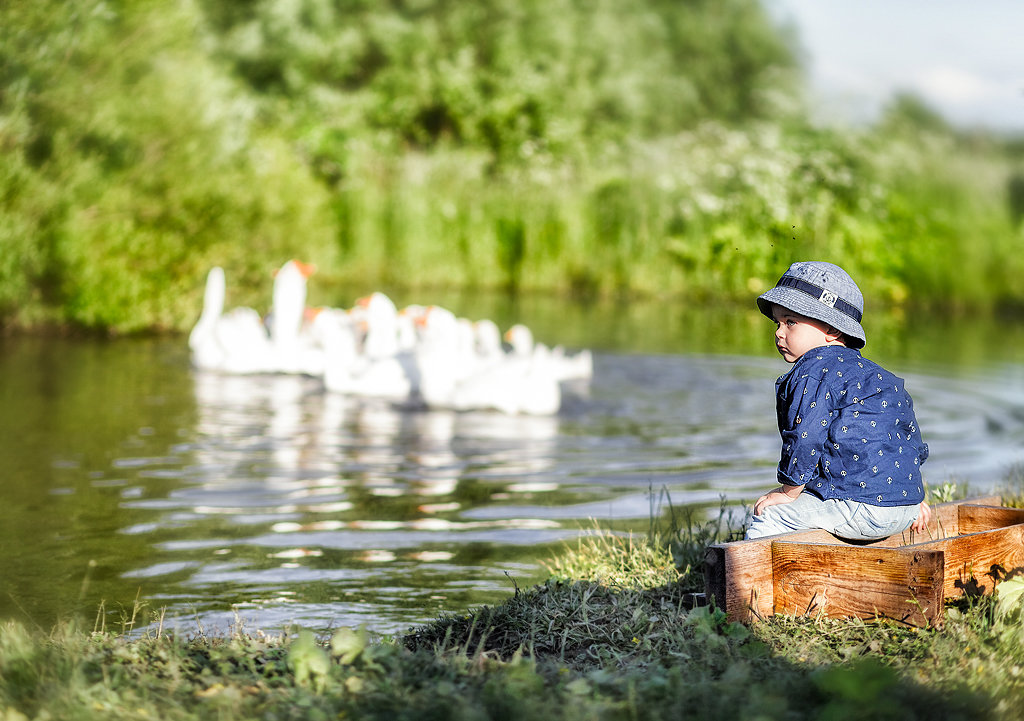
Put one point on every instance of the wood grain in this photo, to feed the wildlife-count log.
(739, 576)
(839, 581)
(975, 563)
(976, 518)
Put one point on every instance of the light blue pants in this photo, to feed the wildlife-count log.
(846, 519)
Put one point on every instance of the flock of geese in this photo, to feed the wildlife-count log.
(419, 355)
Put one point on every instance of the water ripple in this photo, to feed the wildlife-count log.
(306, 487)
(271, 501)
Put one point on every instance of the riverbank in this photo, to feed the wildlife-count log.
(608, 636)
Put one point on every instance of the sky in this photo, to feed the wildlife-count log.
(963, 58)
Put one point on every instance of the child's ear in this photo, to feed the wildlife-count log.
(835, 334)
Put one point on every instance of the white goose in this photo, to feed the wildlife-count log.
(442, 362)
(361, 352)
(293, 348)
(573, 366)
(516, 384)
(232, 342)
(487, 342)
(454, 375)
(335, 332)
(243, 335)
(202, 340)
(566, 366)
(384, 369)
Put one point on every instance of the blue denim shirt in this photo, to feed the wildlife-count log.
(848, 430)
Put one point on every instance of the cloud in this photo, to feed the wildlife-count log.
(958, 57)
(957, 86)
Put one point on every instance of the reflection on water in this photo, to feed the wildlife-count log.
(285, 488)
(294, 486)
(129, 474)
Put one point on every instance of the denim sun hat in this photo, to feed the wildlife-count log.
(822, 291)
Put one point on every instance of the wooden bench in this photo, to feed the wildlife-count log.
(968, 547)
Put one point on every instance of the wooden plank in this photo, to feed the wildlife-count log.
(945, 522)
(865, 582)
(977, 518)
(976, 562)
(738, 574)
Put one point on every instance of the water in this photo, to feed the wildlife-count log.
(264, 501)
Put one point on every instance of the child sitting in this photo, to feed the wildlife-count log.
(851, 447)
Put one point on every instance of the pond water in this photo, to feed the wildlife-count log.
(214, 501)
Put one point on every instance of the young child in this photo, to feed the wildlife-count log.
(851, 447)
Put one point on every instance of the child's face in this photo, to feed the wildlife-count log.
(796, 334)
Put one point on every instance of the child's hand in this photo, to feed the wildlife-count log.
(782, 494)
(924, 517)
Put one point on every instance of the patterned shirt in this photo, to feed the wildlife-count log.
(848, 430)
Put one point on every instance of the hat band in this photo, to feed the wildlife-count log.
(822, 294)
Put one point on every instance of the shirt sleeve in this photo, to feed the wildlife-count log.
(805, 410)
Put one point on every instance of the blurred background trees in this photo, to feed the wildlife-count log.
(577, 146)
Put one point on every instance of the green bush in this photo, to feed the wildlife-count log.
(577, 146)
(135, 165)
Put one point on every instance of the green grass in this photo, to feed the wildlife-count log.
(609, 636)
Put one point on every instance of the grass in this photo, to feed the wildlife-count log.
(609, 636)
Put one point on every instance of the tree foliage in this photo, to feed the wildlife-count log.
(131, 163)
(510, 76)
(593, 146)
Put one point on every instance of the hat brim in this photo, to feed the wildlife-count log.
(805, 305)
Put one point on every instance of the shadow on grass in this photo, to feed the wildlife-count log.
(644, 654)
